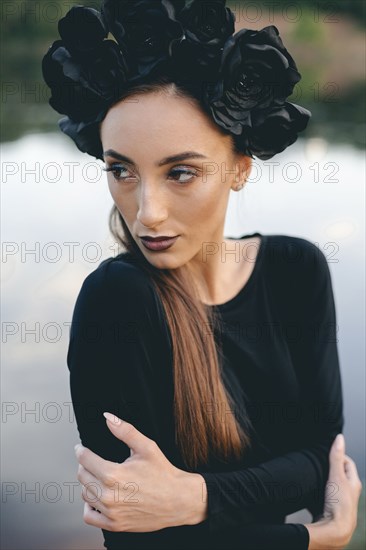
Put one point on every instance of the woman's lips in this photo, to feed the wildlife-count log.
(157, 245)
(163, 238)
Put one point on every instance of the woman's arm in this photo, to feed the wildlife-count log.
(335, 528)
(111, 353)
(111, 356)
(294, 480)
(116, 358)
(339, 520)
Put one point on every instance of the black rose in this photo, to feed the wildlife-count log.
(85, 135)
(145, 32)
(67, 95)
(256, 72)
(82, 29)
(81, 88)
(177, 6)
(100, 74)
(273, 130)
(207, 25)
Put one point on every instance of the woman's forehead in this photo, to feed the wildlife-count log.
(154, 113)
(130, 127)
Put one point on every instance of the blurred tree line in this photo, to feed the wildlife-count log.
(354, 8)
(332, 85)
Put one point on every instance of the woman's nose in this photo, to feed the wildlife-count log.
(152, 208)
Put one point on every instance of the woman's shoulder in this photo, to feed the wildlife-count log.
(293, 244)
(297, 253)
(297, 269)
(118, 272)
(118, 283)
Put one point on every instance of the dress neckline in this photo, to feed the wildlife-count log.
(253, 276)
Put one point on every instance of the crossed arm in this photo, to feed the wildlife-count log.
(236, 500)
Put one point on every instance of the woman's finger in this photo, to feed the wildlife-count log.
(339, 444)
(94, 463)
(350, 470)
(336, 460)
(88, 480)
(91, 517)
(93, 501)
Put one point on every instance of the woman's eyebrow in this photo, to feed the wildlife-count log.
(166, 160)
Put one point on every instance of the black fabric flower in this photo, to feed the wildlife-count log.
(207, 26)
(145, 32)
(85, 134)
(67, 95)
(177, 6)
(82, 29)
(82, 89)
(256, 72)
(242, 80)
(207, 23)
(273, 130)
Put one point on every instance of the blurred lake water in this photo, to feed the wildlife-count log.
(55, 206)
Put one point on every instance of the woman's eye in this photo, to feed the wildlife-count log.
(117, 168)
(180, 171)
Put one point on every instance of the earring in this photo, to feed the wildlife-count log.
(239, 187)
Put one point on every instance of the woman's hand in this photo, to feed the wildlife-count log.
(144, 493)
(343, 490)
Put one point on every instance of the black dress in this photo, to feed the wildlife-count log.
(280, 358)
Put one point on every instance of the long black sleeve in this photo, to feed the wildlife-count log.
(300, 286)
(119, 360)
(115, 341)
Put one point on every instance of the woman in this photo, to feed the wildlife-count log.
(220, 354)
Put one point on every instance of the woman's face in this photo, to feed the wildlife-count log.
(158, 196)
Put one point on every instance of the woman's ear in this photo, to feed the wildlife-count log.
(244, 167)
(247, 167)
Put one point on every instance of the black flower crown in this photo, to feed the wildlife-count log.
(242, 80)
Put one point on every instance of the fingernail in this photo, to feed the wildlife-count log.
(112, 418)
(339, 442)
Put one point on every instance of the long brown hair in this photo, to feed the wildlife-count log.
(201, 400)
